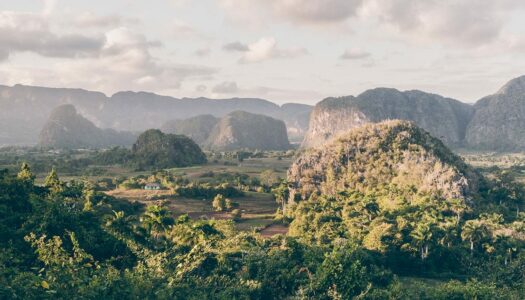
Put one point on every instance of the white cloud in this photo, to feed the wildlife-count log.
(316, 11)
(465, 23)
(201, 88)
(89, 19)
(202, 52)
(461, 23)
(354, 53)
(227, 87)
(182, 30)
(266, 48)
(295, 11)
(30, 32)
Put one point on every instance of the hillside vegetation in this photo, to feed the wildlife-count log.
(157, 150)
(396, 190)
(358, 239)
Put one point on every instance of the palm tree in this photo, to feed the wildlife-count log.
(449, 231)
(474, 231)
(457, 206)
(118, 221)
(156, 219)
(422, 236)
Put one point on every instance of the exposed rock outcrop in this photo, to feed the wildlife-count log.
(376, 157)
(499, 120)
(197, 128)
(243, 130)
(66, 129)
(444, 118)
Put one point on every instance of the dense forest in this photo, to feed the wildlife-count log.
(65, 240)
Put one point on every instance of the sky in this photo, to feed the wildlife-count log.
(281, 50)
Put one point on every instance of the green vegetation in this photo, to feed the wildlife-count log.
(156, 150)
(400, 193)
(386, 213)
(53, 248)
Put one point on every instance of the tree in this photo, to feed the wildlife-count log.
(229, 204)
(269, 178)
(236, 215)
(343, 273)
(52, 182)
(219, 203)
(281, 194)
(474, 231)
(25, 174)
(458, 206)
(507, 189)
(88, 193)
(422, 236)
(156, 219)
(119, 221)
(369, 207)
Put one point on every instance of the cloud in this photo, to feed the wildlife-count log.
(201, 88)
(89, 19)
(295, 11)
(469, 23)
(182, 30)
(202, 52)
(227, 87)
(354, 53)
(235, 46)
(30, 32)
(123, 54)
(316, 11)
(266, 48)
(465, 23)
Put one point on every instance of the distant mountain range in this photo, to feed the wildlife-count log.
(25, 109)
(236, 130)
(444, 118)
(495, 122)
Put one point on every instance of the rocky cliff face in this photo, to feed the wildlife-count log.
(243, 130)
(376, 156)
(296, 117)
(197, 128)
(24, 110)
(66, 129)
(499, 121)
(444, 118)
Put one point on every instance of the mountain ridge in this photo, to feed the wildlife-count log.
(125, 110)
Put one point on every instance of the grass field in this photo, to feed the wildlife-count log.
(258, 208)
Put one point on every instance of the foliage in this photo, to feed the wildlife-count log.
(156, 150)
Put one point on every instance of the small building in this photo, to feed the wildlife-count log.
(152, 186)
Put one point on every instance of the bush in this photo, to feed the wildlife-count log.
(236, 215)
(219, 203)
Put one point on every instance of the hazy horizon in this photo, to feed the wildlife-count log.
(284, 51)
